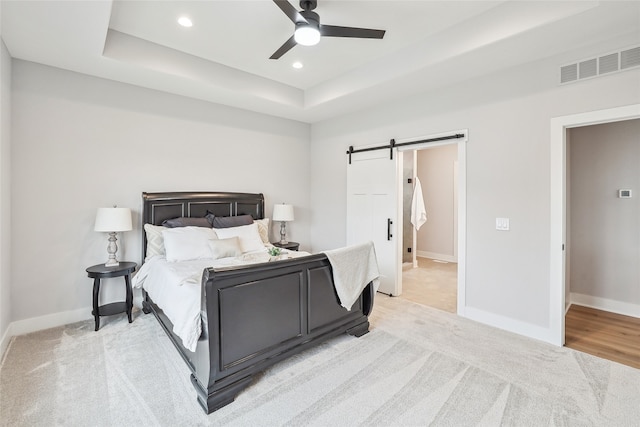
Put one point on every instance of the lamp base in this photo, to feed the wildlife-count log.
(112, 249)
(283, 233)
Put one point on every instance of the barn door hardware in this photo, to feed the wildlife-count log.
(393, 144)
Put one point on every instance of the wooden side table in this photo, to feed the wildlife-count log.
(292, 246)
(100, 271)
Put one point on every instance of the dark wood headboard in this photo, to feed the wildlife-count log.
(156, 207)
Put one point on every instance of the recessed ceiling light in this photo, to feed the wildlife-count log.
(297, 65)
(185, 22)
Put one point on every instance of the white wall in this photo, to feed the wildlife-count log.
(508, 173)
(436, 238)
(5, 195)
(605, 229)
(81, 142)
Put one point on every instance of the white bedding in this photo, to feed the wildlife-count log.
(175, 287)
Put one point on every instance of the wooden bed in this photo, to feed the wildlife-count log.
(255, 316)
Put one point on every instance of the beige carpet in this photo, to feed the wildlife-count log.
(417, 366)
(432, 283)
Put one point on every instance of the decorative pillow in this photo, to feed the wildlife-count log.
(228, 221)
(248, 234)
(263, 229)
(187, 243)
(155, 241)
(184, 221)
(223, 248)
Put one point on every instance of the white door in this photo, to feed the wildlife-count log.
(372, 212)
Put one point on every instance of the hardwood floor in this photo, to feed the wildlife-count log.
(603, 334)
(600, 333)
(433, 283)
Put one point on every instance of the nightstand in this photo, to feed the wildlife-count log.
(292, 246)
(100, 271)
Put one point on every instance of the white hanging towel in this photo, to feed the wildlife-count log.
(418, 211)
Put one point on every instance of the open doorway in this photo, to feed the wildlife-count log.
(374, 205)
(430, 248)
(559, 292)
(603, 240)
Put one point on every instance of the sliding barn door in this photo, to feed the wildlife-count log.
(372, 212)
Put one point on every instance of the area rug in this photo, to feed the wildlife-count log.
(416, 367)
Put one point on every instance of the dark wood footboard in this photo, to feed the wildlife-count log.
(256, 316)
(252, 317)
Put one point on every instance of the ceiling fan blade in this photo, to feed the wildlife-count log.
(362, 33)
(286, 47)
(290, 11)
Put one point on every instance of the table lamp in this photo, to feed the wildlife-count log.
(283, 213)
(113, 220)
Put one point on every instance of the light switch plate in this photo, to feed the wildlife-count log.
(624, 193)
(502, 224)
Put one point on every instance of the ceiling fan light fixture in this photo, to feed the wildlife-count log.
(308, 29)
(306, 35)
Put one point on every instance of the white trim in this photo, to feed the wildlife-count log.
(567, 310)
(557, 228)
(606, 304)
(433, 255)
(414, 232)
(34, 324)
(462, 202)
(528, 330)
(462, 224)
(4, 343)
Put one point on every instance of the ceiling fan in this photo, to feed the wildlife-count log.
(308, 28)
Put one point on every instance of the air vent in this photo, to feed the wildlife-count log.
(608, 63)
(588, 68)
(630, 58)
(605, 64)
(569, 73)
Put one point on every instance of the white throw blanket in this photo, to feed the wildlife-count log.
(418, 211)
(353, 268)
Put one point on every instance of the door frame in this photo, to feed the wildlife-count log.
(558, 204)
(462, 203)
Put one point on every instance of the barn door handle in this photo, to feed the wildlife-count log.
(389, 235)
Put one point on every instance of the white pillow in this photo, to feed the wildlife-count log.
(155, 241)
(223, 248)
(248, 234)
(263, 229)
(187, 243)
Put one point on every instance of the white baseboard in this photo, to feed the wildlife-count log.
(433, 255)
(606, 304)
(512, 325)
(20, 327)
(4, 343)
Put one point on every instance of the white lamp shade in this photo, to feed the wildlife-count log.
(283, 212)
(113, 219)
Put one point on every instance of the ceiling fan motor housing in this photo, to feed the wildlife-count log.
(313, 19)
